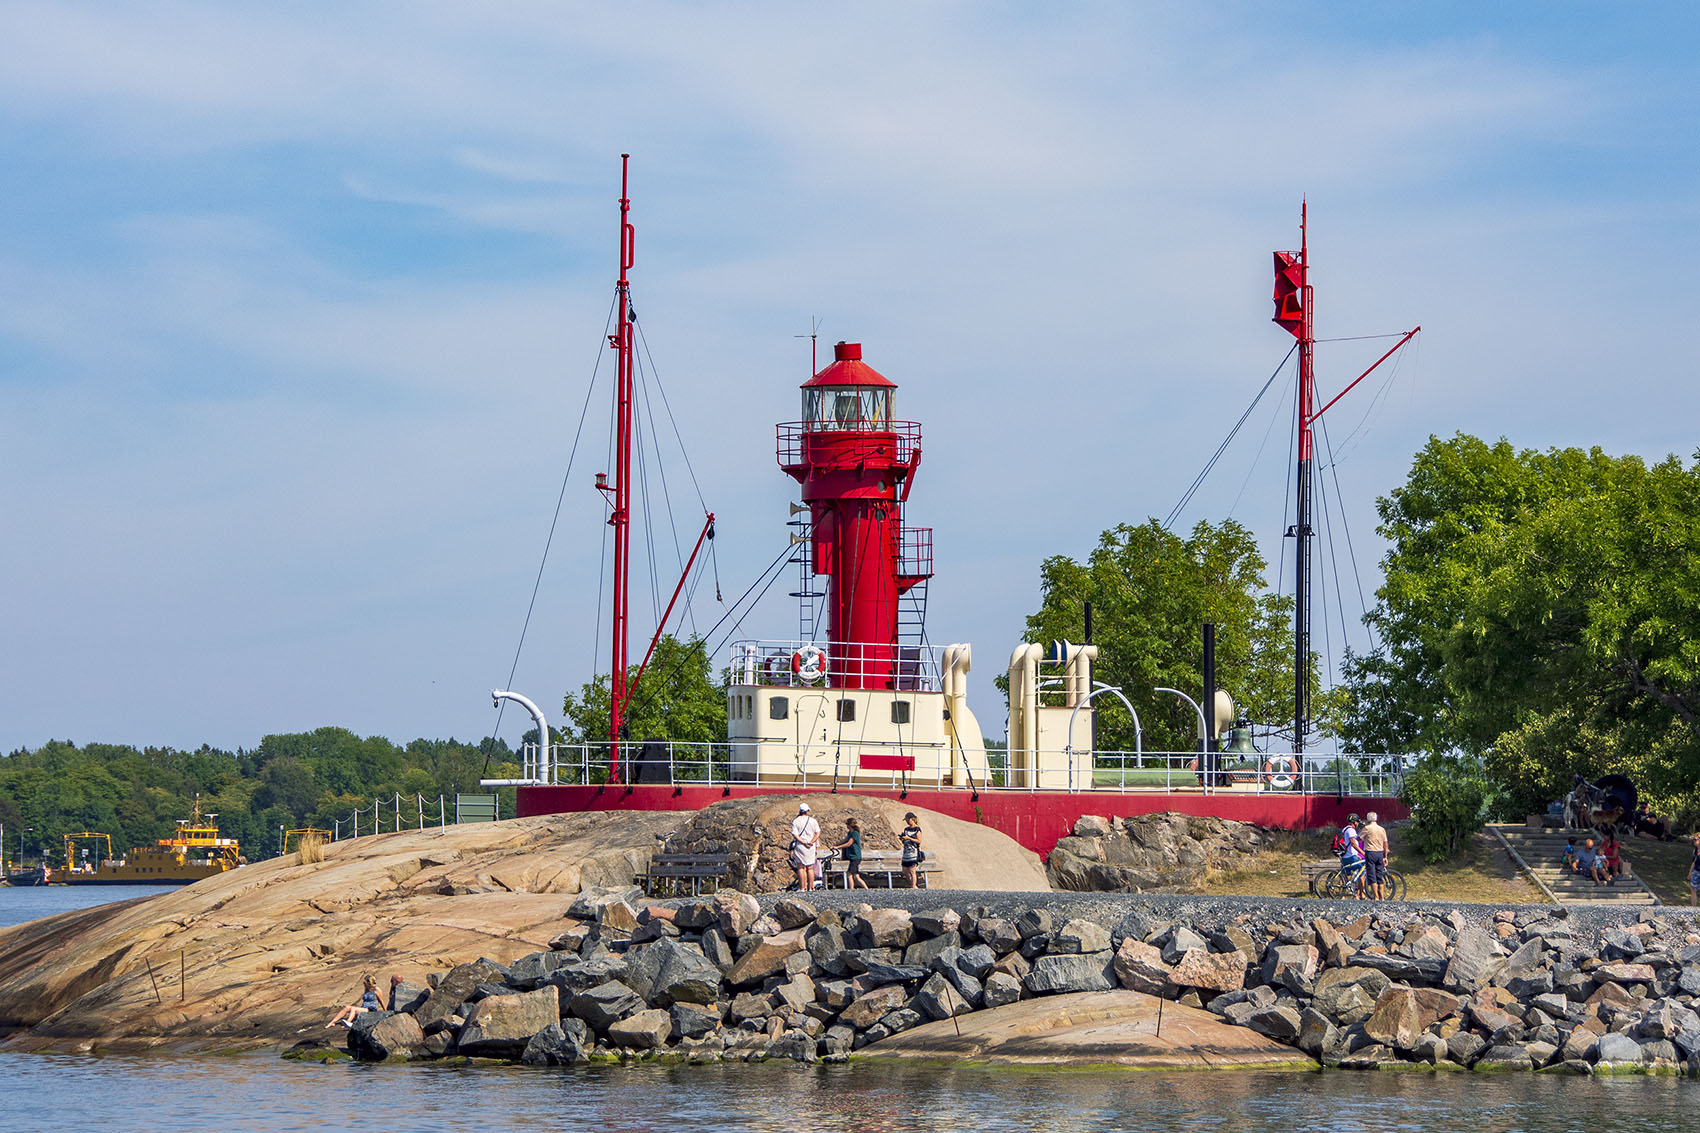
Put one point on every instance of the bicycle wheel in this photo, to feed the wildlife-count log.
(1395, 885)
(1333, 885)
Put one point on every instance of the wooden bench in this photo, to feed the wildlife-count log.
(881, 863)
(673, 870)
(1314, 872)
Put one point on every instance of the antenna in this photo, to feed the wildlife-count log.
(813, 336)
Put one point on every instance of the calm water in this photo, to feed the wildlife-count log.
(32, 901)
(262, 1091)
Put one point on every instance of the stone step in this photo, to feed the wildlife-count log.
(1543, 857)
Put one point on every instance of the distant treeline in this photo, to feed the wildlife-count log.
(290, 781)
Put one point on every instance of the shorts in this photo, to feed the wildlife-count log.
(1375, 866)
(853, 867)
(1694, 879)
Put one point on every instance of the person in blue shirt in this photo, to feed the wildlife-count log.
(368, 1002)
(851, 848)
(1351, 850)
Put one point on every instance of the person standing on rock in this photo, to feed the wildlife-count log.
(911, 859)
(851, 848)
(1376, 852)
(805, 838)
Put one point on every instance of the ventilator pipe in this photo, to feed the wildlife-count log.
(546, 754)
(964, 730)
(1079, 678)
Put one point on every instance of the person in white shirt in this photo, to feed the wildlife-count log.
(805, 837)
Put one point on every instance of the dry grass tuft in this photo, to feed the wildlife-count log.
(312, 849)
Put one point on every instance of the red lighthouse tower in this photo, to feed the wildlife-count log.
(856, 466)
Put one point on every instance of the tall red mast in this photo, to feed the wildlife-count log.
(1294, 312)
(620, 518)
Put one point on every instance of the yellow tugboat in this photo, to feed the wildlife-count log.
(168, 863)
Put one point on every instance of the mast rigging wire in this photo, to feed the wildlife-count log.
(1223, 447)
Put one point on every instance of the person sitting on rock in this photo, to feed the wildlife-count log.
(851, 848)
(368, 1002)
(396, 981)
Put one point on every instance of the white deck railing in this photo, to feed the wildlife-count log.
(775, 763)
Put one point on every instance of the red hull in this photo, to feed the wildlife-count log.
(1036, 819)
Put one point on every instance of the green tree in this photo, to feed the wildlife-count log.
(1537, 611)
(1151, 592)
(679, 698)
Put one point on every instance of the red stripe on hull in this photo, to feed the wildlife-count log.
(1035, 819)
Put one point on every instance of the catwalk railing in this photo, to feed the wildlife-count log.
(930, 767)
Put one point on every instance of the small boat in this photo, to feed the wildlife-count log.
(194, 852)
(29, 875)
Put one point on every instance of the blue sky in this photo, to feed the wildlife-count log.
(298, 304)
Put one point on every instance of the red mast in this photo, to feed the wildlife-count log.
(620, 518)
(1294, 312)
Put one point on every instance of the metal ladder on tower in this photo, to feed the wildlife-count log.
(805, 594)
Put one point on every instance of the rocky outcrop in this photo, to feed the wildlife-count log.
(271, 950)
(1150, 853)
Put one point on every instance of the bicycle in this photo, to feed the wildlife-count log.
(1335, 884)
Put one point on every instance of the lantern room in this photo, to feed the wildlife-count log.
(847, 396)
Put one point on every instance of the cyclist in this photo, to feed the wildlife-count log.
(1350, 849)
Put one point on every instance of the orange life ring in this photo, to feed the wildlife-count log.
(809, 663)
(1279, 771)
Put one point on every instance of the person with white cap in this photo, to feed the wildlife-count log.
(805, 837)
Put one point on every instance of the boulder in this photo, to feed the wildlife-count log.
(1078, 937)
(586, 972)
(767, 957)
(889, 928)
(999, 935)
(1292, 966)
(1315, 1032)
(558, 1044)
(1464, 1046)
(1279, 1022)
(1405, 969)
(1617, 1049)
(792, 913)
(501, 1027)
(868, 1007)
(1034, 922)
(571, 940)
(1475, 960)
(977, 961)
(1091, 971)
(826, 945)
(683, 974)
(999, 990)
(1347, 995)
(716, 948)
(694, 1020)
(923, 952)
(1403, 1014)
(1181, 941)
(736, 912)
(644, 1031)
(1505, 1056)
(1139, 967)
(593, 900)
(380, 1036)
(1624, 973)
(605, 1004)
(936, 922)
(452, 990)
(1212, 971)
(937, 999)
(1091, 826)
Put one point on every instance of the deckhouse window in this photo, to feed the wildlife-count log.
(848, 408)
